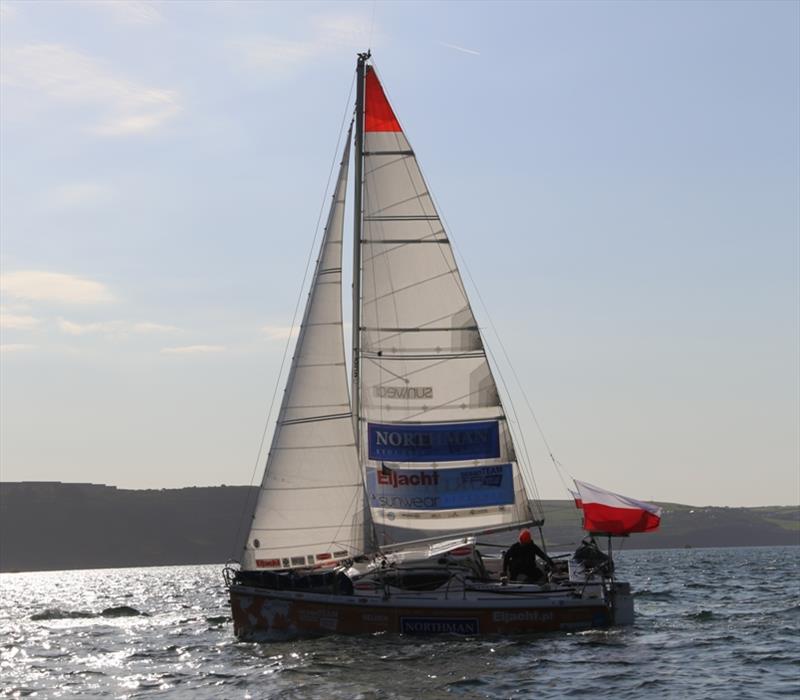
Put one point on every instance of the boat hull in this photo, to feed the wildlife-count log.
(262, 613)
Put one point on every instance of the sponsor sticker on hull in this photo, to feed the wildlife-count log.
(439, 625)
(439, 442)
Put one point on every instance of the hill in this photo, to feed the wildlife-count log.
(53, 525)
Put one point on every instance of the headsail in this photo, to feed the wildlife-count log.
(311, 506)
(434, 439)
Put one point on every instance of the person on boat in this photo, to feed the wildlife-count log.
(592, 557)
(519, 561)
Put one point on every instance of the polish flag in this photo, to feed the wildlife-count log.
(609, 513)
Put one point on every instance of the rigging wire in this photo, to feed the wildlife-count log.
(372, 25)
(247, 504)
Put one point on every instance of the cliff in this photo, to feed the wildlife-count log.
(53, 525)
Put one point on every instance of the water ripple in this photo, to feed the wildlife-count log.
(708, 621)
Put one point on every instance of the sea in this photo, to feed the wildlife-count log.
(710, 623)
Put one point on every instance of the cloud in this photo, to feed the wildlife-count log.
(35, 285)
(69, 76)
(280, 332)
(128, 11)
(7, 12)
(80, 194)
(16, 347)
(17, 321)
(113, 327)
(193, 350)
(148, 327)
(277, 57)
(460, 48)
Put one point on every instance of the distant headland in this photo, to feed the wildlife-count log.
(54, 525)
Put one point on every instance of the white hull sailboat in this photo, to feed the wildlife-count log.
(374, 495)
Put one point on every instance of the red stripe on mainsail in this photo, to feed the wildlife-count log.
(378, 114)
(617, 521)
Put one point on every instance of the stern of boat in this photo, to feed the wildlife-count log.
(621, 603)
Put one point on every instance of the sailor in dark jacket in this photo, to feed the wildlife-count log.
(520, 560)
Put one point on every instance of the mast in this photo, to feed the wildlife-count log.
(359, 185)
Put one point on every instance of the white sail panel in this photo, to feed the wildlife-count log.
(429, 405)
(311, 508)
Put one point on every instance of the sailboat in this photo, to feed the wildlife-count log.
(378, 485)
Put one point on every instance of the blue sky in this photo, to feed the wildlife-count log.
(621, 179)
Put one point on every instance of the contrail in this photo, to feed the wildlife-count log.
(460, 48)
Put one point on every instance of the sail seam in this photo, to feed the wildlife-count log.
(389, 153)
(420, 329)
(315, 447)
(321, 364)
(309, 488)
(403, 241)
(395, 292)
(402, 217)
(427, 356)
(315, 419)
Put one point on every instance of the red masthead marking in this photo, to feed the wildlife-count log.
(378, 114)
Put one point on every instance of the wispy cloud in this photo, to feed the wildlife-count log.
(148, 327)
(460, 48)
(128, 11)
(113, 328)
(69, 76)
(80, 194)
(36, 285)
(7, 11)
(16, 347)
(280, 332)
(272, 56)
(193, 350)
(19, 322)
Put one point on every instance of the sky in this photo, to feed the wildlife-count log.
(620, 181)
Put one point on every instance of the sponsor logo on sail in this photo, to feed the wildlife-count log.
(268, 563)
(440, 489)
(403, 392)
(438, 442)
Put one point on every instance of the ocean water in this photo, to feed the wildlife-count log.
(711, 623)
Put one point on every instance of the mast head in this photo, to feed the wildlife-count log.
(362, 57)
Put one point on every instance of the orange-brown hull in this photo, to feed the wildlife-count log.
(261, 613)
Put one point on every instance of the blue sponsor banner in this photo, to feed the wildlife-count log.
(439, 442)
(439, 625)
(440, 489)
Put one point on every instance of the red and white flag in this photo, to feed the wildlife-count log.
(576, 497)
(614, 514)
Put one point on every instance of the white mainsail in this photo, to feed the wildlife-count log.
(436, 447)
(310, 510)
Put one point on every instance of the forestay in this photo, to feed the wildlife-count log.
(438, 452)
(310, 510)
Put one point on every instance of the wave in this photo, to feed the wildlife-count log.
(654, 595)
(121, 611)
(59, 614)
(701, 616)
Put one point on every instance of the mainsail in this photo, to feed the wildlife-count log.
(434, 440)
(310, 510)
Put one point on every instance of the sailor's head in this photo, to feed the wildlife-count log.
(524, 537)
